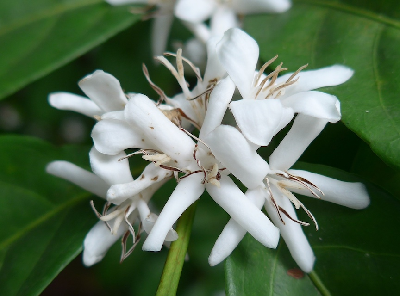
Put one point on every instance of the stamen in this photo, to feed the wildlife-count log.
(191, 65)
(181, 80)
(157, 89)
(194, 137)
(291, 218)
(110, 216)
(117, 223)
(265, 66)
(273, 201)
(297, 72)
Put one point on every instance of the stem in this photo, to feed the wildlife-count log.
(319, 284)
(176, 255)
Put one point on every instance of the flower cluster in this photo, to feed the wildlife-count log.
(186, 138)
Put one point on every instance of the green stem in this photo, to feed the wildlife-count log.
(176, 256)
(319, 284)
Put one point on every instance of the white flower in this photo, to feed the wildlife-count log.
(162, 22)
(116, 222)
(269, 102)
(103, 90)
(201, 170)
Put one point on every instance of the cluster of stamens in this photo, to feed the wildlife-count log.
(282, 185)
(274, 91)
(121, 214)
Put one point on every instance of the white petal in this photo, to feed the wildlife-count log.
(315, 104)
(233, 233)
(72, 102)
(186, 192)
(105, 90)
(238, 53)
(82, 178)
(349, 194)
(160, 32)
(118, 115)
(149, 223)
(151, 175)
(313, 79)
(304, 130)
(260, 6)
(214, 69)
(143, 113)
(244, 212)
(291, 231)
(260, 120)
(97, 242)
(217, 104)
(194, 11)
(230, 147)
(222, 20)
(110, 168)
(111, 136)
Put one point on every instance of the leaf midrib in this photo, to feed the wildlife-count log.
(353, 10)
(55, 10)
(43, 219)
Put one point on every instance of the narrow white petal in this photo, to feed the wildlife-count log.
(315, 104)
(304, 130)
(105, 90)
(260, 6)
(194, 11)
(111, 136)
(151, 175)
(72, 102)
(149, 223)
(110, 168)
(238, 53)
(260, 120)
(143, 113)
(313, 79)
(216, 108)
(160, 32)
(214, 69)
(186, 192)
(236, 154)
(291, 231)
(349, 194)
(223, 19)
(233, 233)
(78, 176)
(244, 212)
(97, 242)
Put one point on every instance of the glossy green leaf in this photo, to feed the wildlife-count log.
(37, 37)
(362, 36)
(44, 219)
(357, 250)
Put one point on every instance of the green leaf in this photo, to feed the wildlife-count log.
(357, 250)
(365, 38)
(37, 37)
(44, 219)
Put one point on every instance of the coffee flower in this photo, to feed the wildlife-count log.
(270, 102)
(279, 201)
(195, 168)
(116, 222)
